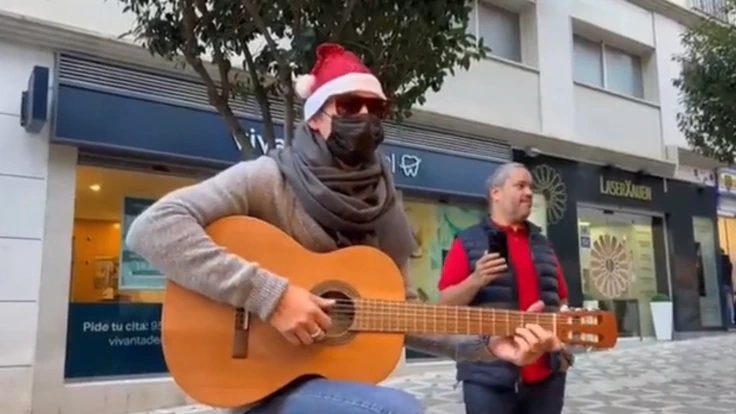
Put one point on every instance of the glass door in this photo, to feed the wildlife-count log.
(709, 284)
(435, 226)
(618, 266)
(727, 253)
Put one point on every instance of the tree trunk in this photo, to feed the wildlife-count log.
(289, 110)
(261, 97)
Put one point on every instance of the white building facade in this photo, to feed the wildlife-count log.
(582, 81)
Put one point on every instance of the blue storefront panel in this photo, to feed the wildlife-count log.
(103, 120)
(110, 339)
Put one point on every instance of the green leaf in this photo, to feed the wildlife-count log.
(707, 83)
(411, 45)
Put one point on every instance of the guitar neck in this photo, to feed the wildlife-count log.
(420, 318)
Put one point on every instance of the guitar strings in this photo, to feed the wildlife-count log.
(361, 319)
(397, 303)
(388, 308)
(360, 309)
(367, 311)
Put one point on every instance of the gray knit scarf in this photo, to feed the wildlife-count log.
(354, 207)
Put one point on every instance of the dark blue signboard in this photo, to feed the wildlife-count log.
(109, 339)
(115, 122)
(34, 101)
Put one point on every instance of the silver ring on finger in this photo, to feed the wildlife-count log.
(316, 334)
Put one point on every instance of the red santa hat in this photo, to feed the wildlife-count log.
(337, 71)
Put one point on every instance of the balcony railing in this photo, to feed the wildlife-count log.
(715, 8)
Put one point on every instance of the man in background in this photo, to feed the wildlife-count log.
(727, 283)
(505, 262)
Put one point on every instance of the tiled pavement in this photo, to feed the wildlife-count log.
(693, 376)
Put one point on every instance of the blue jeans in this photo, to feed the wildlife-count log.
(544, 397)
(322, 396)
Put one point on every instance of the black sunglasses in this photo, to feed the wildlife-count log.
(347, 105)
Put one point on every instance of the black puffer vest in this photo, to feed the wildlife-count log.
(503, 293)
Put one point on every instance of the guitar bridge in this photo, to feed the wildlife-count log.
(240, 337)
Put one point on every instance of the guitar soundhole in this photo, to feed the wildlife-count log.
(342, 314)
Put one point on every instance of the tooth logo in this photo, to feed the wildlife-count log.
(409, 165)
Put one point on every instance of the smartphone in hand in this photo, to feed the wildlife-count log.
(497, 243)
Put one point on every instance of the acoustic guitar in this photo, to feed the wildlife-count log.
(225, 358)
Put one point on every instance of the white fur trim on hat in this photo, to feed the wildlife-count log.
(352, 82)
(304, 84)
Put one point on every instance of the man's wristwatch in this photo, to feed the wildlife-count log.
(567, 360)
(562, 360)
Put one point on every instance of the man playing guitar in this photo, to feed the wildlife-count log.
(331, 189)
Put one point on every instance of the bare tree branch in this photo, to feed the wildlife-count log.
(289, 96)
(346, 15)
(289, 118)
(261, 96)
(296, 9)
(284, 70)
(207, 17)
(263, 28)
(217, 99)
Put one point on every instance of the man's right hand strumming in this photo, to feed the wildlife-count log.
(300, 316)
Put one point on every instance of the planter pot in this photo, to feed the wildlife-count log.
(662, 318)
(591, 304)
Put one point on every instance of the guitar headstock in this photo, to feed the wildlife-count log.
(587, 328)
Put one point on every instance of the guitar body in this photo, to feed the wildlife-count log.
(205, 356)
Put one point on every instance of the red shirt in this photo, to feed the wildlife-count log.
(457, 268)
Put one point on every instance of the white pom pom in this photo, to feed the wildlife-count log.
(304, 85)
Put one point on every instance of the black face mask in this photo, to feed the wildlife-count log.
(355, 138)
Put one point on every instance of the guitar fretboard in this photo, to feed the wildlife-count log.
(419, 318)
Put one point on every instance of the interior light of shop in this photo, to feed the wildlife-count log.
(95, 187)
(583, 223)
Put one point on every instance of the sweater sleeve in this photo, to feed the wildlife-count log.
(457, 347)
(171, 236)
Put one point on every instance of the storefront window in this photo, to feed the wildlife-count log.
(727, 252)
(727, 238)
(115, 307)
(435, 227)
(707, 272)
(618, 266)
(539, 212)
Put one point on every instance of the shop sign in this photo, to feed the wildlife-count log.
(407, 164)
(258, 142)
(34, 101)
(85, 117)
(113, 339)
(727, 181)
(404, 163)
(625, 189)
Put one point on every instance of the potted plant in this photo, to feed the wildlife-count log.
(661, 306)
(589, 302)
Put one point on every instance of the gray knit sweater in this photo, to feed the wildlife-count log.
(170, 235)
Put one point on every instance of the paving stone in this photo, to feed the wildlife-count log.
(696, 376)
(693, 376)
